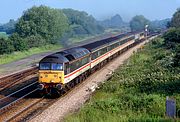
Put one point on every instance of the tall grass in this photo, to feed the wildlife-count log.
(136, 92)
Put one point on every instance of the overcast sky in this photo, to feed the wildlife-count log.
(100, 9)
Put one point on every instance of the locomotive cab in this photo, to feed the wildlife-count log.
(51, 73)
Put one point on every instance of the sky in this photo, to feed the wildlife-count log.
(100, 9)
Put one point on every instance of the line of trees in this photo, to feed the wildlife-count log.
(42, 25)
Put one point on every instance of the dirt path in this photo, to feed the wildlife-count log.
(79, 95)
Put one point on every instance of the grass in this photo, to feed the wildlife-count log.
(136, 92)
(7, 58)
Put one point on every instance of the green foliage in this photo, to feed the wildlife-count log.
(35, 41)
(114, 22)
(3, 35)
(9, 27)
(138, 23)
(172, 36)
(177, 56)
(44, 21)
(158, 25)
(82, 23)
(137, 91)
(6, 46)
(19, 43)
(38, 26)
(175, 22)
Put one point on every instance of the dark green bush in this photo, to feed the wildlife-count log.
(6, 46)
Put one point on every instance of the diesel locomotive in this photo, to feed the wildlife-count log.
(71, 66)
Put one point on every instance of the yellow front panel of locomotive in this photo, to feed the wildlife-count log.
(49, 76)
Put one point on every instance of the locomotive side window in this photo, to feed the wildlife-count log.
(94, 55)
(56, 66)
(45, 66)
(85, 60)
(103, 51)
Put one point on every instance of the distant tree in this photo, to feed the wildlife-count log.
(9, 27)
(114, 22)
(175, 22)
(6, 46)
(138, 23)
(44, 21)
(82, 23)
(159, 25)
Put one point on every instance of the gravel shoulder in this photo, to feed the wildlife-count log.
(79, 95)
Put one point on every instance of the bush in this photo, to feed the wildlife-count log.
(172, 37)
(35, 41)
(19, 43)
(6, 46)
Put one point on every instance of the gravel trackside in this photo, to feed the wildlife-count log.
(80, 94)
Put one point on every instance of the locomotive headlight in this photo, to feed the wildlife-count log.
(58, 86)
(40, 86)
(52, 81)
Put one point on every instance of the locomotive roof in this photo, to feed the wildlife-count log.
(66, 55)
(54, 58)
(94, 45)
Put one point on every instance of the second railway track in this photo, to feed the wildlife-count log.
(10, 80)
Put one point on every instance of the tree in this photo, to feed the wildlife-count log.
(114, 22)
(82, 23)
(138, 23)
(32, 41)
(159, 25)
(177, 56)
(19, 43)
(6, 46)
(9, 27)
(172, 37)
(44, 21)
(175, 22)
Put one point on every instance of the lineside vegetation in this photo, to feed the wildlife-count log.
(138, 90)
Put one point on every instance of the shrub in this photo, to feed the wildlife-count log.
(6, 46)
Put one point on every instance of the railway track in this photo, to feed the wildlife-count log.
(10, 80)
(9, 101)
